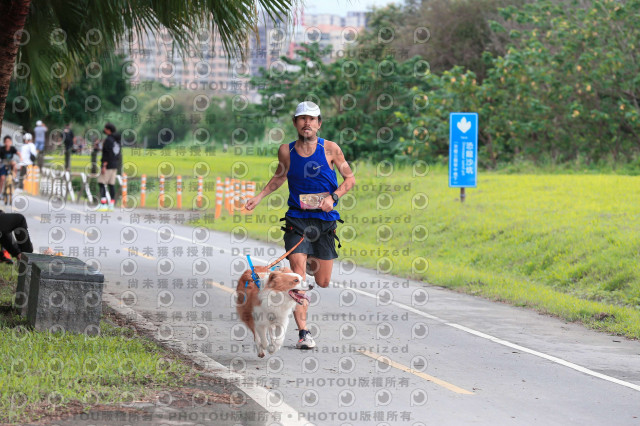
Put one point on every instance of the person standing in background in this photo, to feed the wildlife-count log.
(96, 147)
(69, 141)
(110, 163)
(40, 132)
(28, 155)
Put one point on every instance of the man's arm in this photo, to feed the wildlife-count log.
(340, 163)
(347, 174)
(107, 152)
(279, 177)
(344, 169)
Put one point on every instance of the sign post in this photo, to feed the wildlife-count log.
(463, 151)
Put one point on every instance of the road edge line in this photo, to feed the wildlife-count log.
(257, 393)
(503, 342)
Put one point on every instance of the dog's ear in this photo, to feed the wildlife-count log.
(272, 276)
(265, 276)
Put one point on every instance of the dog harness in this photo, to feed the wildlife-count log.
(272, 266)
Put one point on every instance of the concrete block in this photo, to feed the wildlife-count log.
(21, 299)
(65, 297)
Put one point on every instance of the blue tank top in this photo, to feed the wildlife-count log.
(310, 175)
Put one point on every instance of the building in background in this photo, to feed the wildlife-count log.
(207, 69)
(341, 33)
(204, 68)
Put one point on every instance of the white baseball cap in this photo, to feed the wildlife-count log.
(39, 123)
(28, 137)
(307, 108)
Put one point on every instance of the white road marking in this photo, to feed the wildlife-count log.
(503, 342)
(546, 356)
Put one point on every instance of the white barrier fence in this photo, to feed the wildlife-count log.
(58, 183)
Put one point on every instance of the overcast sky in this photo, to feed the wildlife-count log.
(341, 7)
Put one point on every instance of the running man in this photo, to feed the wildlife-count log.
(309, 166)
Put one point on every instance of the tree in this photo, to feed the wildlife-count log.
(51, 42)
(566, 89)
(361, 100)
(235, 124)
(570, 81)
(443, 32)
(105, 89)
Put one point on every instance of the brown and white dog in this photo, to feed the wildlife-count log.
(266, 310)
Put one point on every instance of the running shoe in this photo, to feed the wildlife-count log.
(306, 341)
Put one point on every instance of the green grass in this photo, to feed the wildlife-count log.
(41, 372)
(7, 290)
(564, 244)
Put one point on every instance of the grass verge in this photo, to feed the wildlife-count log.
(42, 374)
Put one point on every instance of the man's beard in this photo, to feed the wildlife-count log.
(303, 138)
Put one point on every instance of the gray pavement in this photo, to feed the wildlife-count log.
(390, 351)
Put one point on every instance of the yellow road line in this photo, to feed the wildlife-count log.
(220, 286)
(38, 218)
(134, 252)
(137, 253)
(386, 360)
(79, 231)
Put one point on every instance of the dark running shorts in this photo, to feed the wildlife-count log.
(318, 241)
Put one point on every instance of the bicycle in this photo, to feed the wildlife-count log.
(7, 191)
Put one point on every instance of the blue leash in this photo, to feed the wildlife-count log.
(254, 276)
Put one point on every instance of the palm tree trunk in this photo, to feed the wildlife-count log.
(13, 15)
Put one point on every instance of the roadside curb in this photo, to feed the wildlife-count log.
(281, 413)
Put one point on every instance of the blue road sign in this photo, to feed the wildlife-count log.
(463, 149)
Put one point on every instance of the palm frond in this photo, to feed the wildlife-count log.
(71, 33)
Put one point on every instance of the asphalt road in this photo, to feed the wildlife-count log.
(390, 351)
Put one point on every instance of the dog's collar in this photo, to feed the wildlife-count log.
(254, 276)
